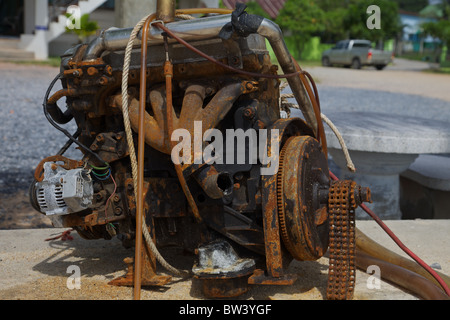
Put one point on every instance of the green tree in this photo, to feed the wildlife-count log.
(412, 6)
(356, 18)
(335, 12)
(441, 28)
(301, 20)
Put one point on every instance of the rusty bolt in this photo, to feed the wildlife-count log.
(109, 70)
(103, 81)
(249, 86)
(116, 198)
(92, 71)
(130, 188)
(118, 210)
(249, 112)
(362, 194)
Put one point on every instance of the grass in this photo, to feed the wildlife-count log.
(310, 63)
(429, 56)
(442, 70)
(52, 62)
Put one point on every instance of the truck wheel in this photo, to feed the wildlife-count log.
(326, 62)
(356, 64)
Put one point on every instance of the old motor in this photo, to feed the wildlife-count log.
(130, 90)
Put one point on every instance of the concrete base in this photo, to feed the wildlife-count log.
(33, 268)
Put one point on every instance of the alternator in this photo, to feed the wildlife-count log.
(64, 191)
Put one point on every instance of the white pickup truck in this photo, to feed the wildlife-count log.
(355, 54)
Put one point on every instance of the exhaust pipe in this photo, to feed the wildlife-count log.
(216, 185)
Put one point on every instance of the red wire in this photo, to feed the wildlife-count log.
(401, 245)
(114, 192)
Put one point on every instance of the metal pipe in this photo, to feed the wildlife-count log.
(216, 185)
(117, 39)
(272, 32)
(165, 10)
(168, 73)
(140, 178)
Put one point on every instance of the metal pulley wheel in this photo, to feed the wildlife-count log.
(316, 215)
(302, 191)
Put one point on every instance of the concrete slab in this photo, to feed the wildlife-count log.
(32, 268)
(432, 171)
(382, 146)
(389, 133)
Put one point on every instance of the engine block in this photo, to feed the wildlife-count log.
(259, 183)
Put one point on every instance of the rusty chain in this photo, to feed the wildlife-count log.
(342, 255)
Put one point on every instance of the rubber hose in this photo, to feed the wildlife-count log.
(402, 277)
(370, 247)
(55, 112)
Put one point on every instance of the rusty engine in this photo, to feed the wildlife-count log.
(244, 224)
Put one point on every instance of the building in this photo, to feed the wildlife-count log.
(413, 40)
(36, 29)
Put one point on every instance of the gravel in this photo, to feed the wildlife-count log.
(26, 137)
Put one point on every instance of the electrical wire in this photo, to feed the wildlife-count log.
(102, 176)
(112, 194)
(400, 244)
(64, 131)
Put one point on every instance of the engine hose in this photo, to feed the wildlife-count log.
(53, 109)
(369, 246)
(402, 277)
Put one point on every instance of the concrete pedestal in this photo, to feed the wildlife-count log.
(382, 146)
(380, 172)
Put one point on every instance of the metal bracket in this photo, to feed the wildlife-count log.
(233, 52)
